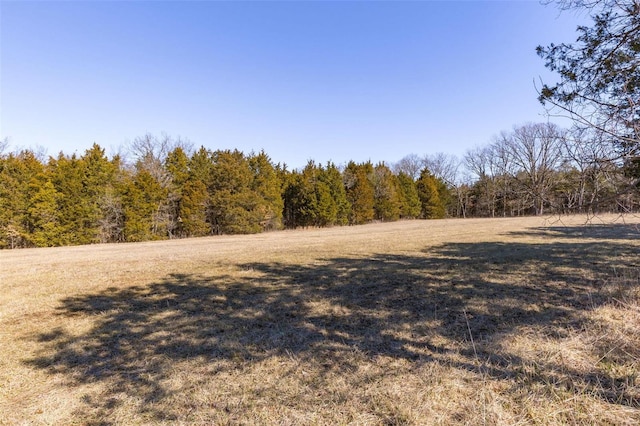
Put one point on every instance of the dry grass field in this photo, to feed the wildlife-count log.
(483, 321)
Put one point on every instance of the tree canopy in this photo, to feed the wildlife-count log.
(171, 191)
(599, 74)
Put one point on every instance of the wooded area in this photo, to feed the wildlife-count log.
(164, 189)
(168, 190)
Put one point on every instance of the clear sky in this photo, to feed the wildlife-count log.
(319, 80)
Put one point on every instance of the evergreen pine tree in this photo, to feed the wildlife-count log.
(267, 186)
(100, 184)
(333, 178)
(200, 167)
(386, 198)
(77, 215)
(21, 176)
(43, 217)
(410, 206)
(141, 199)
(300, 200)
(326, 209)
(235, 207)
(13, 204)
(193, 209)
(360, 193)
(433, 206)
(177, 167)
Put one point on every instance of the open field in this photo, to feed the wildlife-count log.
(483, 321)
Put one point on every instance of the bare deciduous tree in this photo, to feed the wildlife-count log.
(410, 165)
(4, 144)
(481, 163)
(443, 166)
(599, 75)
(536, 150)
(150, 152)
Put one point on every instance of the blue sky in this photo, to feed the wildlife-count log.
(320, 80)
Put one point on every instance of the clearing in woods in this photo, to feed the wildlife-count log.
(482, 321)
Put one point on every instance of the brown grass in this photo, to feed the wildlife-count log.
(505, 321)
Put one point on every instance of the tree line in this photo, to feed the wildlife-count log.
(540, 168)
(172, 191)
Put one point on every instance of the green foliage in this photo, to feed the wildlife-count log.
(430, 194)
(267, 186)
(360, 192)
(599, 75)
(43, 217)
(301, 202)
(387, 201)
(177, 174)
(447, 197)
(77, 214)
(11, 213)
(298, 201)
(241, 214)
(410, 205)
(177, 166)
(100, 183)
(200, 166)
(315, 197)
(21, 176)
(193, 209)
(235, 207)
(142, 197)
(332, 177)
(326, 211)
(169, 194)
(99, 171)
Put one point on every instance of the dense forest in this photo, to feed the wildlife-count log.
(165, 189)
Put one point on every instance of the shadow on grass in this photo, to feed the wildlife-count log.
(421, 308)
(608, 231)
